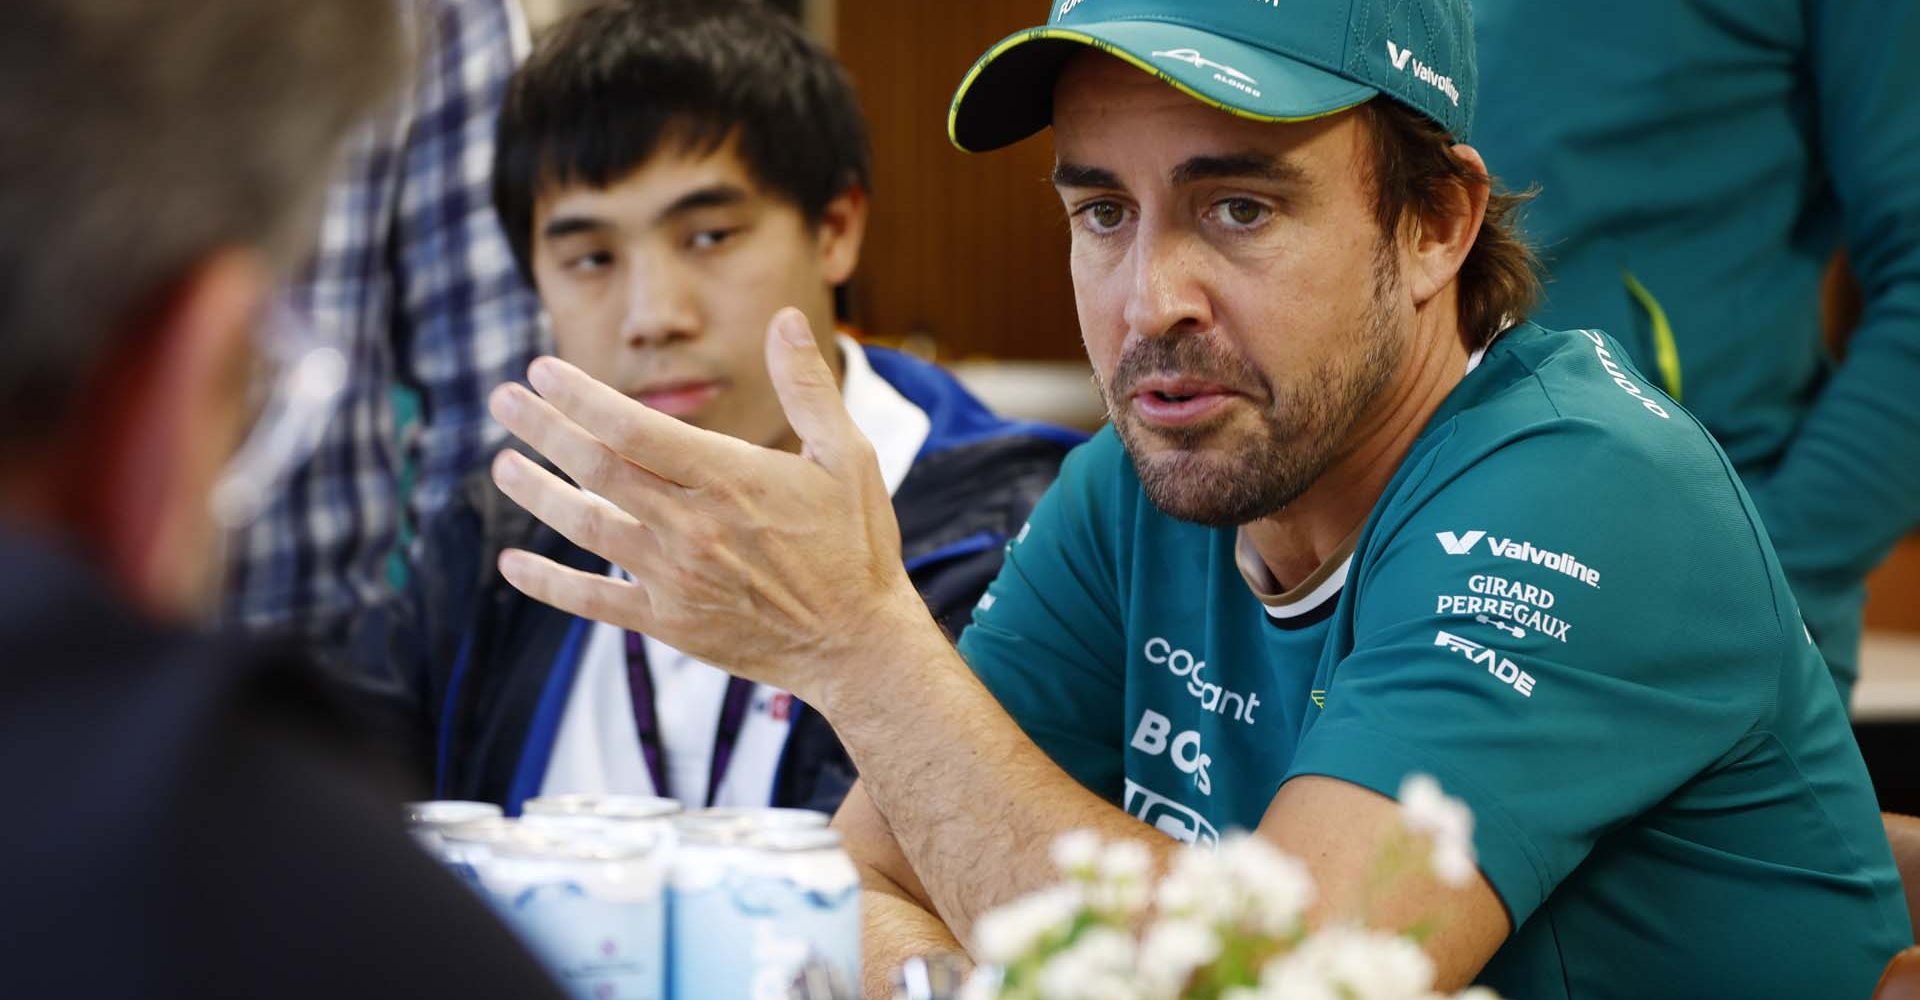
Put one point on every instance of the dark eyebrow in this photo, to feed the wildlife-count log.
(1239, 166)
(712, 196)
(1073, 175)
(1234, 166)
(570, 225)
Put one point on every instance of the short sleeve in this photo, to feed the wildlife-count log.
(1046, 638)
(1563, 631)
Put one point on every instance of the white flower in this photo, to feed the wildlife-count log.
(1425, 809)
(983, 983)
(1098, 966)
(1126, 859)
(1290, 978)
(1171, 951)
(1009, 932)
(1076, 852)
(1122, 883)
(1277, 887)
(1357, 964)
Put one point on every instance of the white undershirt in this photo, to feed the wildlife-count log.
(597, 749)
(687, 698)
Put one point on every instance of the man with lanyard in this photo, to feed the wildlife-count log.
(1355, 519)
(1698, 164)
(730, 181)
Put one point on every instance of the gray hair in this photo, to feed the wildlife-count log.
(139, 136)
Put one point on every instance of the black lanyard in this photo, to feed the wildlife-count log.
(646, 719)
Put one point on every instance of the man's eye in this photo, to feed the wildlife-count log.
(599, 260)
(1241, 213)
(707, 239)
(1104, 216)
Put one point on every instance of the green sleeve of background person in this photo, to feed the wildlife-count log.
(1698, 162)
(1047, 639)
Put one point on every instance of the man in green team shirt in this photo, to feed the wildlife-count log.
(1354, 520)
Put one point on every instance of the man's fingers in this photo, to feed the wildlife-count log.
(674, 451)
(587, 521)
(589, 595)
(808, 392)
(580, 455)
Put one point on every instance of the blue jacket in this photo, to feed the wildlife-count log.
(487, 671)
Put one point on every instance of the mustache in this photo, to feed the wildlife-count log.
(1194, 356)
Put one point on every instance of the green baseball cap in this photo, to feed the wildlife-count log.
(1268, 60)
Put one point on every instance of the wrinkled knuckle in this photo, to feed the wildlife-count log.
(590, 529)
(598, 472)
(629, 435)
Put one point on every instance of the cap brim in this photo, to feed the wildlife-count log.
(1008, 95)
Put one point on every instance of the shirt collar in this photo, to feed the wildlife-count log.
(897, 428)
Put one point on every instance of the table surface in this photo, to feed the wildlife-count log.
(1889, 688)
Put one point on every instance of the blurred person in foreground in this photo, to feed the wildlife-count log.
(1698, 164)
(1356, 518)
(183, 819)
(670, 174)
(409, 269)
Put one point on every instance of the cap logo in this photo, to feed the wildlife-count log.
(1403, 58)
(1067, 8)
(1222, 72)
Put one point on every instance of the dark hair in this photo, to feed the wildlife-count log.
(1413, 169)
(611, 85)
(136, 139)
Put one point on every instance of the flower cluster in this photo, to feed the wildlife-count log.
(1219, 925)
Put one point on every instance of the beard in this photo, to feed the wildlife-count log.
(1220, 476)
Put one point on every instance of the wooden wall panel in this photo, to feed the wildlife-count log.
(971, 250)
(1893, 593)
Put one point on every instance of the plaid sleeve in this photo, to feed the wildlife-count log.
(466, 322)
(412, 276)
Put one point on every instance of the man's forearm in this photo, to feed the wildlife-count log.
(973, 803)
(895, 929)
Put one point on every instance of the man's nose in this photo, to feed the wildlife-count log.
(660, 305)
(1167, 293)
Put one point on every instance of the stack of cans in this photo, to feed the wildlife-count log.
(627, 898)
(756, 897)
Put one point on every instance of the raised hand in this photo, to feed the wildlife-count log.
(775, 566)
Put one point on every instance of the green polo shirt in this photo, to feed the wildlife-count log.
(1562, 607)
(1698, 162)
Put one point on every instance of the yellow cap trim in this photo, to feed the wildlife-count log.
(1062, 34)
(1666, 350)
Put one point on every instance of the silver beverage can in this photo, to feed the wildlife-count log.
(466, 848)
(615, 807)
(750, 819)
(425, 820)
(640, 818)
(748, 908)
(592, 907)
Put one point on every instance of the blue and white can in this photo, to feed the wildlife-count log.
(749, 907)
(427, 820)
(641, 818)
(606, 807)
(751, 819)
(466, 848)
(593, 908)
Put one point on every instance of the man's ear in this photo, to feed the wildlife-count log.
(842, 230)
(1443, 237)
(170, 410)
